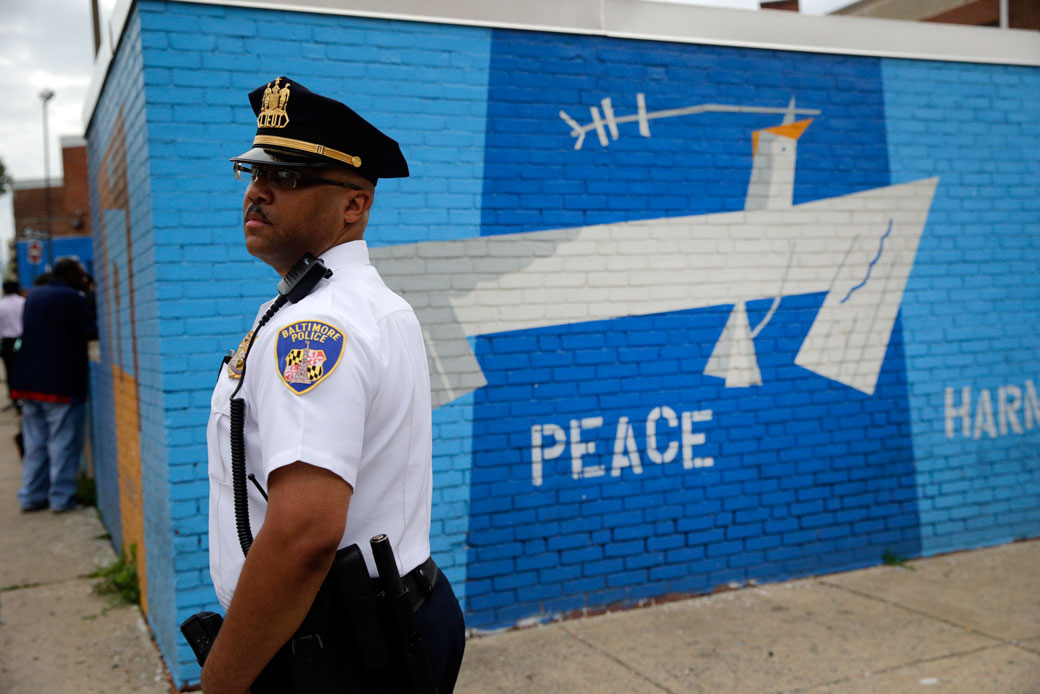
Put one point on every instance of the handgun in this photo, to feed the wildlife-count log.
(200, 631)
(409, 640)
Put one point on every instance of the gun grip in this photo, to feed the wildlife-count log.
(200, 630)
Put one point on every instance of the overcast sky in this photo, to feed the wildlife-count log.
(49, 44)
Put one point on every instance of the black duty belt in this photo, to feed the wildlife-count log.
(420, 582)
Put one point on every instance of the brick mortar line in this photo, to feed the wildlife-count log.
(617, 660)
(912, 610)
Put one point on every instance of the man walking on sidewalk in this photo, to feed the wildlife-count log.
(10, 329)
(50, 379)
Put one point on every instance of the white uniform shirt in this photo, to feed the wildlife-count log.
(11, 307)
(339, 381)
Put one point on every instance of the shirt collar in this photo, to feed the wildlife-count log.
(346, 254)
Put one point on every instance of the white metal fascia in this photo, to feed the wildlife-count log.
(658, 20)
(847, 35)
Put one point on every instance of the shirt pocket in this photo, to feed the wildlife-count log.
(218, 430)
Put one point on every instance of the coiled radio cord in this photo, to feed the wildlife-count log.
(238, 439)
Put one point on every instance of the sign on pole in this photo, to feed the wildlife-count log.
(34, 252)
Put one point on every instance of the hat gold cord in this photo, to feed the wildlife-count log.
(274, 140)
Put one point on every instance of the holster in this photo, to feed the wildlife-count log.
(328, 652)
(355, 639)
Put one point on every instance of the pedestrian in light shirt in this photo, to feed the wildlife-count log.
(10, 330)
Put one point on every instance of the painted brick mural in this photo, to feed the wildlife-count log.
(695, 314)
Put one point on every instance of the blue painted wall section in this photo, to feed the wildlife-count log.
(971, 305)
(806, 477)
(600, 465)
(691, 164)
(128, 308)
(109, 231)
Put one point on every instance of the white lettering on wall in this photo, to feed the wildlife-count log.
(974, 413)
(1032, 405)
(665, 440)
(1009, 401)
(581, 448)
(984, 416)
(540, 453)
(652, 451)
(625, 452)
(962, 411)
(690, 438)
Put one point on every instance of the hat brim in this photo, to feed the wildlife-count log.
(258, 155)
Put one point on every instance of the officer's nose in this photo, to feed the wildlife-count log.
(259, 190)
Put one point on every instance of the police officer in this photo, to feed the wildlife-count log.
(337, 424)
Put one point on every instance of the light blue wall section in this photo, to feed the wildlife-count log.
(452, 472)
(970, 312)
(424, 84)
(128, 310)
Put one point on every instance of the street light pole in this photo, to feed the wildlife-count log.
(45, 96)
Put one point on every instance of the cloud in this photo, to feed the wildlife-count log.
(46, 45)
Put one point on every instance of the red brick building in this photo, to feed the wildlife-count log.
(69, 198)
(1021, 14)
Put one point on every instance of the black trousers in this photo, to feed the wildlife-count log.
(8, 354)
(443, 632)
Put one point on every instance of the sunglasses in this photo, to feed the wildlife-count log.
(285, 179)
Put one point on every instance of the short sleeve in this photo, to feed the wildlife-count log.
(311, 383)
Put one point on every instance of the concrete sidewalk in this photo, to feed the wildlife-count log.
(966, 623)
(56, 636)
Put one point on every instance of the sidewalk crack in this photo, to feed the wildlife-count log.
(913, 610)
(892, 668)
(619, 661)
(1018, 643)
(43, 584)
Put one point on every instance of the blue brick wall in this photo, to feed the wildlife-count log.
(971, 305)
(800, 475)
(103, 445)
(675, 171)
(108, 233)
(805, 478)
(127, 288)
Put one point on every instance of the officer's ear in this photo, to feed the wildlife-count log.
(357, 205)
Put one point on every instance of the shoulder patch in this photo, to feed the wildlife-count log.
(306, 353)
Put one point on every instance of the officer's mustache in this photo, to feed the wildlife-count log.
(255, 208)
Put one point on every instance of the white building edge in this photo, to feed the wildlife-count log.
(657, 20)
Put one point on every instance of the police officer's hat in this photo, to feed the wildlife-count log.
(296, 127)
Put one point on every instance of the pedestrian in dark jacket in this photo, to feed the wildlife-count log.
(50, 380)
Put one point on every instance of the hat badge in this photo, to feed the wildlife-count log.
(273, 113)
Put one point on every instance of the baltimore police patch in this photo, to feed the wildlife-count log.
(306, 353)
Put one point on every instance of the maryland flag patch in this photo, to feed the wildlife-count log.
(306, 353)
